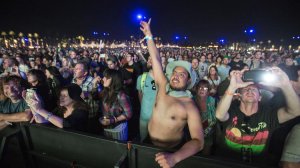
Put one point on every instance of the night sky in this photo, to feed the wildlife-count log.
(200, 21)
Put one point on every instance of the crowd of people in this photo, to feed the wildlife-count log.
(190, 99)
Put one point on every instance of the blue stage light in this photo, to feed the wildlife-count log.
(139, 16)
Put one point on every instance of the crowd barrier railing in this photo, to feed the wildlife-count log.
(47, 146)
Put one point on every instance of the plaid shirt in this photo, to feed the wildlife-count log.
(87, 86)
(121, 106)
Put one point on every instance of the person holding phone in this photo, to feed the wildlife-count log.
(72, 112)
(246, 124)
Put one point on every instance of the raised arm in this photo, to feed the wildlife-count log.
(292, 108)
(224, 105)
(35, 105)
(159, 75)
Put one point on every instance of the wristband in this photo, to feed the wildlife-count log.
(48, 116)
(148, 38)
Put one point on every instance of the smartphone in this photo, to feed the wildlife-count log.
(30, 93)
(102, 55)
(258, 75)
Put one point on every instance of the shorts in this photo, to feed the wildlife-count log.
(291, 150)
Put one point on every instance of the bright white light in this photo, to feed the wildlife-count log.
(269, 77)
(251, 30)
(139, 16)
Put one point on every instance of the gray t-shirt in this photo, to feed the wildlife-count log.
(8, 107)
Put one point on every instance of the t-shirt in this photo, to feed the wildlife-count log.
(248, 133)
(202, 70)
(223, 72)
(8, 107)
(77, 120)
(149, 94)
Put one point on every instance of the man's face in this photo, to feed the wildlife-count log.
(289, 61)
(209, 56)
(195, 63)
(6, 64)
(225, 61)
(129, 58)
(250, 94)
(11, 90)
(179, 79)
(202, 58)
(72, 54)
(79, 71)
(111, 65)
(45, 61)
(257, 55)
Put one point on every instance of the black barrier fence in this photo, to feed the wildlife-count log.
(142, 156)
(53, 147)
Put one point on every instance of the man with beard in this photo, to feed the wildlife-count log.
(147, 92)
(173, 108)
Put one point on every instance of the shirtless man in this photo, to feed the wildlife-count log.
(171, 114)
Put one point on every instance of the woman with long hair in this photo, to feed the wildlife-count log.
(55, 80)
(219, 60)
(72, 111)
(38, 82)
(213, 78)
(116, 106)
(207, 108)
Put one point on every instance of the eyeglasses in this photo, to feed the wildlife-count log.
(153, 85)
(203, 88)
(249, 89)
